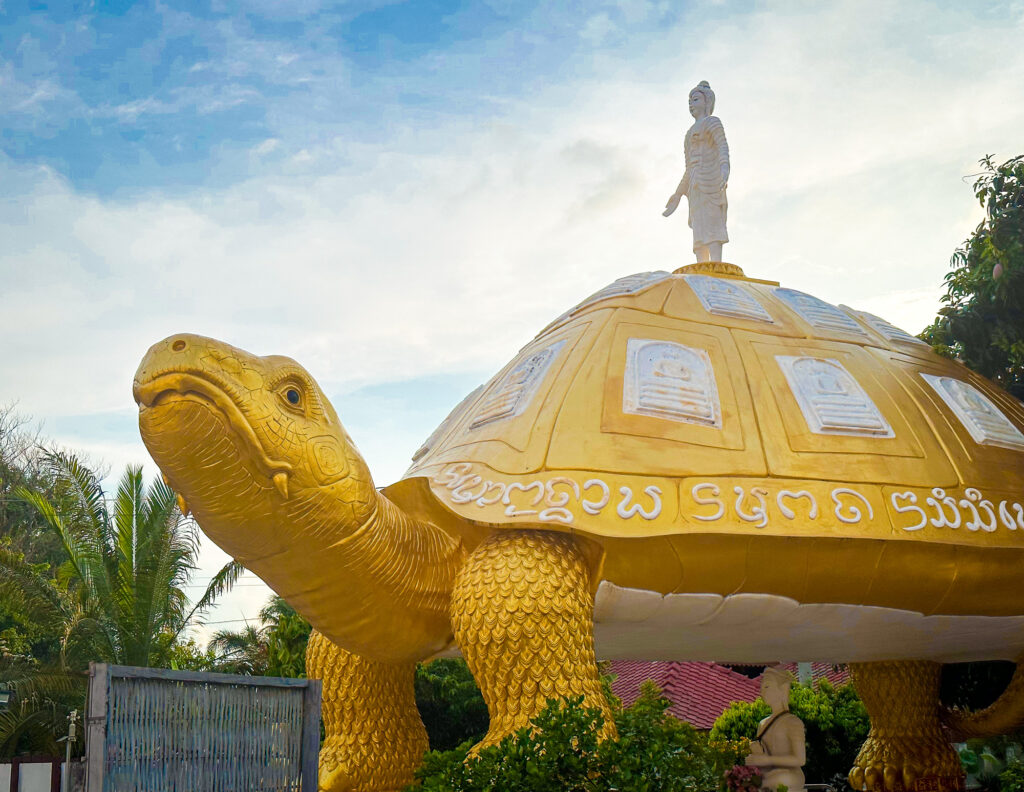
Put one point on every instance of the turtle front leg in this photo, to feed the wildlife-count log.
(375, 738)
(906, 749)
(522, 613)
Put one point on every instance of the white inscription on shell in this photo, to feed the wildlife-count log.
(788, 512)
(626, 509)
(855, 513)
(830, 398)
(819, 313)
(513, 394)
(562, 499)
(978, 513)
(985, 422)
(758, 513)
(900, 501)
(547, 500)
(725, 298)
(712, 501)
(887, 330)
(672, 381)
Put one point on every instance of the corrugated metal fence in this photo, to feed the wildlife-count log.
(155, 730)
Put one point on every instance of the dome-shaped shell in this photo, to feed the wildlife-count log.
(645, 407)
(757, 439)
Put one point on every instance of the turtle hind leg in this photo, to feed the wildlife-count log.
(906, 749)
(375, 739)
(522, 613)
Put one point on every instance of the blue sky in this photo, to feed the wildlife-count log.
(400, 194)
(123, 97)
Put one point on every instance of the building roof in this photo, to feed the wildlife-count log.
(700, 692)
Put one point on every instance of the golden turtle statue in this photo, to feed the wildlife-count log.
(693, 465)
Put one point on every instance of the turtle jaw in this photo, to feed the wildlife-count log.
(210, 455)
(168, 388)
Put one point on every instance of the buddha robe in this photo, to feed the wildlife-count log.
(706, 152)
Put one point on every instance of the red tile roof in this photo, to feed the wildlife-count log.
(700, 692)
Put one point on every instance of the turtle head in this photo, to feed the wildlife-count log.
(250, 444)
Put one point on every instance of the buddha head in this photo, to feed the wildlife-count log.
(702, 100)
(775, 688)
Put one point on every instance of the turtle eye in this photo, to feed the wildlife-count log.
(292, 395)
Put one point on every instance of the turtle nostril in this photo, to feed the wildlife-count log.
(178, 345)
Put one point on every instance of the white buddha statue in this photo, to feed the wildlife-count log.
(706, 177)
(780, 748)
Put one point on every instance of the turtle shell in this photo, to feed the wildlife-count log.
(719, 434)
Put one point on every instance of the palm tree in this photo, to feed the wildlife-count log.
(277, 647)
(241, 651)
(287, 637)
(118, 595)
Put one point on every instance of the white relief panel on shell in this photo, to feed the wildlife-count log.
(819, 313)
(985, 421)
(722, 297)
(517, 388)
(446, 424)
(885, 329)
(671, 381)
(630, 284)
(830, 398)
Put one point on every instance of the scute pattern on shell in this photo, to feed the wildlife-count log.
(365, 705)
(521, 611)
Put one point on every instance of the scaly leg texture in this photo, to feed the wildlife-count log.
(906, 749)
(522, 612)
(375, 738)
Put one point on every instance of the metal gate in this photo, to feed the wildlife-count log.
(155, 730)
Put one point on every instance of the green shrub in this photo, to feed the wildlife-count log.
(835, 720)
(1012, 778)
(654, 752)
(450, 703)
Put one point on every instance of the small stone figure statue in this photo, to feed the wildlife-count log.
(779, 749)
(706, 177)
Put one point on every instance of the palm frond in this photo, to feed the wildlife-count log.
(219, 584)
(276, 609)
(83, 529)
(89, 496)
(28, 595)
(29, 722)
(127, 507)
(47, 683)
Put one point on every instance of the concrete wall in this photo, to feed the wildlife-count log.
(35, 777)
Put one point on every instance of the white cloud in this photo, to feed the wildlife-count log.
(268, 146)
(445, 247)
(597, 28)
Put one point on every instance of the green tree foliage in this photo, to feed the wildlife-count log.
(113, 593)
(654, 752)
(1012, 778)
(835, 720)
(126, 562)
(450, 703)
(189, 656)
(982, 322)
(240, 651)
(286, 639)
(274, 647)
(24, 533)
